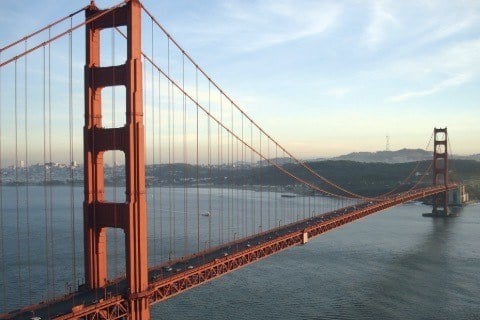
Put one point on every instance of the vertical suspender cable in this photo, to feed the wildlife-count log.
(209, 169)
(327, 203)
(321, 203)
(220, 129)
(235, 193)
(330, 202)
(304, 204)
(232, 177)
(275, 207)
(160, 164)
(52, 234)
(451, 164)
(45, 191)
(2, 248)
(284, 220)
(244, 206)
(238, 172)
(19, 261)
(218, 183)
(252, 177)
(268, 185)
(174, 172)
(309, 203)
(197, 164)
(314, 205)
(152, 187)
(184, 144)
(27, 182)
(70, 126)
(229, 184)
(260, 167)
(170, 166)
(296, 204)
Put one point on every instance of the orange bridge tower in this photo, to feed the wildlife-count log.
(440, 170)
(99, 214)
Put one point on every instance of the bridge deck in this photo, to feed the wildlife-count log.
(166, 281)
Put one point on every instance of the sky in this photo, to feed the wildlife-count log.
(324, 78)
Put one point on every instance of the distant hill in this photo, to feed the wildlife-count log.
(399, 156)
(475, 157)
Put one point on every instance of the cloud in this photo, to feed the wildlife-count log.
(378, 26)
(443, 30)
(451, 82)
(251, 26)
(450, 67)
(337, 92)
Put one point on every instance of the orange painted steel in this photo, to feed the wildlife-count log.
(440, 169)
(170, 287)
(113, 308)
(131, 216)
(117, 306)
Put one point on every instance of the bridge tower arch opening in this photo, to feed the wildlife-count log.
(100, 214)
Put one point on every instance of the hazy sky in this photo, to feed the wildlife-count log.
(325, 77)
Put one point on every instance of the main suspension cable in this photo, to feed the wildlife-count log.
(220, 124)
(298, 161)
(451, 162)
(407, 178)
(62, 34)
(47, 27)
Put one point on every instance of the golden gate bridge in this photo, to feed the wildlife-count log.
(159, 136)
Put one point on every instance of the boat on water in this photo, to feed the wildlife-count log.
(288, 195)
(207, 214)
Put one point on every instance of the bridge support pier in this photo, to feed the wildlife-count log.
(99, 214)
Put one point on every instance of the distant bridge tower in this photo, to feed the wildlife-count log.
(440, 170)
(99, 214)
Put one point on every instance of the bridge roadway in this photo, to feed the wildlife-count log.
(177, 276)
